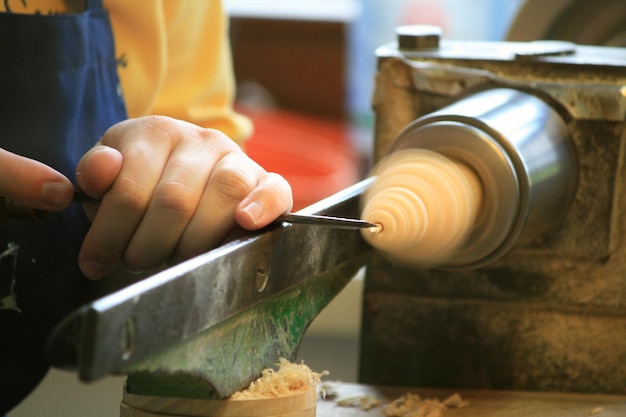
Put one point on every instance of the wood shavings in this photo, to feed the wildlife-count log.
(364, 402)
(290, 378)
(328, 391)
(455, 401)
(411, 405)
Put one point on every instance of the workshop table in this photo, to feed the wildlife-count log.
(481, 403)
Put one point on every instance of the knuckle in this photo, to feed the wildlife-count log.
(232, 186)
(276, 191)
(175, 196)
(208, 134)
(278, 183)
(164, 123)
(233, 183)
(179, 131)
(131, 194)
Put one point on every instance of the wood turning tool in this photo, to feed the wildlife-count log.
(207, 327)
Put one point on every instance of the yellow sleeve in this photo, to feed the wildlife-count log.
(174, 59)
(44, 7)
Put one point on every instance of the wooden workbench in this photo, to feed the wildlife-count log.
(481, 403)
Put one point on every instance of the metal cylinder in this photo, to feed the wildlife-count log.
(521, 150)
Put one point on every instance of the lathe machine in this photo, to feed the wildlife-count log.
(532, 299)
(544, 310)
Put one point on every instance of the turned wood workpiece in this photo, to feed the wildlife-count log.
(481, 403)
(426, 206)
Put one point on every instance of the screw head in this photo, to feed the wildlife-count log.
(418, 37)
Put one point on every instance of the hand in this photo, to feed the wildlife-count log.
(33, 184)
(170, 190)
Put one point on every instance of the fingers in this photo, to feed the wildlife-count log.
(144, 150)
(32, 183)
(269, 199)
(179, 191)
(96, 172)
(233, 178)
(175, 202)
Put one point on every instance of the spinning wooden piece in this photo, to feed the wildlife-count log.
(426, 205)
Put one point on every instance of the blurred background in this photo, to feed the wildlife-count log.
(305, 74)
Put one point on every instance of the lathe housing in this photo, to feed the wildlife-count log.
(550, 314)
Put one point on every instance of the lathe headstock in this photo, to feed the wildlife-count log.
(549, 313)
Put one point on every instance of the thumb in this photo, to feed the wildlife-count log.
(97, 170)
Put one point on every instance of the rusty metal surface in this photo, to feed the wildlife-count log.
(511, 327)
(551, 314)
(221, 318)
(589, 84)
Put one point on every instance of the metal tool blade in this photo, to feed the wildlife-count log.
(326, 221)
(215, 321)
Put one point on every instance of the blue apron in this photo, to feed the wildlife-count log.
(59, 92)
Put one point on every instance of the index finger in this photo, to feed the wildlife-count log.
(33, 183)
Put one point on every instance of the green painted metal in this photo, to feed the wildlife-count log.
(234, 352)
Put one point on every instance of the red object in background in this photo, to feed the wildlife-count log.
(422, 12)
(313, 154)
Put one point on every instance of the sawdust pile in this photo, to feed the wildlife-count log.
(411, 405)
(290, 378)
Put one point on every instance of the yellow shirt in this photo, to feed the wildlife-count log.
(173, 58)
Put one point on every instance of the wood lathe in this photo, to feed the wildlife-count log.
(505, 280)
